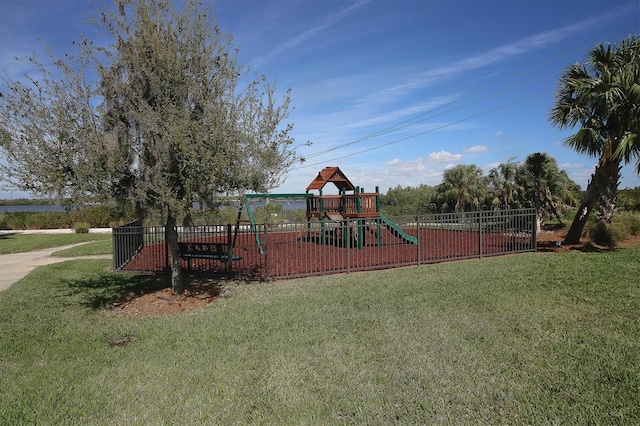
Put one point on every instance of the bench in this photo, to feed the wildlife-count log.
(206, 250)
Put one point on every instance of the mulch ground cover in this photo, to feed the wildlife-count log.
(295, 254)
(202, 290)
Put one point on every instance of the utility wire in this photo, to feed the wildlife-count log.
(430, 113)
(422, 133)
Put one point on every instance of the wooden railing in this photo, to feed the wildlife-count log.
(348, 205)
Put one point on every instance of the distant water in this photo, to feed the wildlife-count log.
(286, 205)
(32, 208)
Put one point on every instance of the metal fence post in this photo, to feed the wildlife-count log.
(479, 216)
(418, 238)
(266, 252)
(347, 243)
(229, 251)
(534, 230)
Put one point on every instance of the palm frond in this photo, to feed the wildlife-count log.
(626, 147)
(585, 141)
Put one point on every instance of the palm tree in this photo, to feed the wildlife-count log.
(465, 185)
(545, 187)
(502, 180)
(602, 96)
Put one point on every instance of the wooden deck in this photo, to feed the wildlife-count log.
(349, 206)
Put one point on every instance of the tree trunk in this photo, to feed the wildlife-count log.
(538, 209)
(607, 201)
(600, 180)
(171, 237)
(606, 210)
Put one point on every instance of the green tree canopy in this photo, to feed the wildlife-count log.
(162, 116)
(464, 188)
(602, 98)
(510, 185)
(546, 187)
(502, 182)
(401, 201)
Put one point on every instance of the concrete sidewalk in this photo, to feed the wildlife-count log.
(15, 266)
(54, 231)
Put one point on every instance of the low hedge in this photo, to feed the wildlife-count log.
(94, 216)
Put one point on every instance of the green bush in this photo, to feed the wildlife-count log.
(100, 216)
(4, 223)
(82, 227)
(631, 222)
(624, 225)
(602, 235)
(16, 220)
(47, 220)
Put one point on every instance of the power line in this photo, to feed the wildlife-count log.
(421, 133)
(430, 113)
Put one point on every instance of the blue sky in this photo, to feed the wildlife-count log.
(393, 91)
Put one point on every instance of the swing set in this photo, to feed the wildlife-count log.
(352, 208)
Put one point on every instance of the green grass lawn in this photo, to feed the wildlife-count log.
(538, 338)
(17, 243)
(93, 248)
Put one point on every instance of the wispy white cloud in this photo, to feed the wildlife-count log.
(490, 166)
(424, 79)
(572, 166)
(414, 111)
(303, 37)
(406, 173)
(476, 149)
(443, 157)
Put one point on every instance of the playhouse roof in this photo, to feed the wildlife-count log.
(334, 175)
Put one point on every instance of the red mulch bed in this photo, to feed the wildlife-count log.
(290, 256)
(295, 254)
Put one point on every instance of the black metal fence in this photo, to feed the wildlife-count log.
(127, 240)
(289, 250)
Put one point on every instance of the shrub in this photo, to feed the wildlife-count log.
(100, 216)
(82, 227)
(47, 220)
(624, 225)
(4, 224)
(17, 220)
(631, 223)
(602, 235)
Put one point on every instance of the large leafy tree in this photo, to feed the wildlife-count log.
(159, 118)
(50, 129)
(408, 201)
(602, 97)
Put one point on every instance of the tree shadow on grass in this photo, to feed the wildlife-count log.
(102, 291)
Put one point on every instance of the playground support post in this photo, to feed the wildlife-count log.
(322, 219)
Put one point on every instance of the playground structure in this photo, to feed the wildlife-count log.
(441, 237)
(319, 239)
(346, 219)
